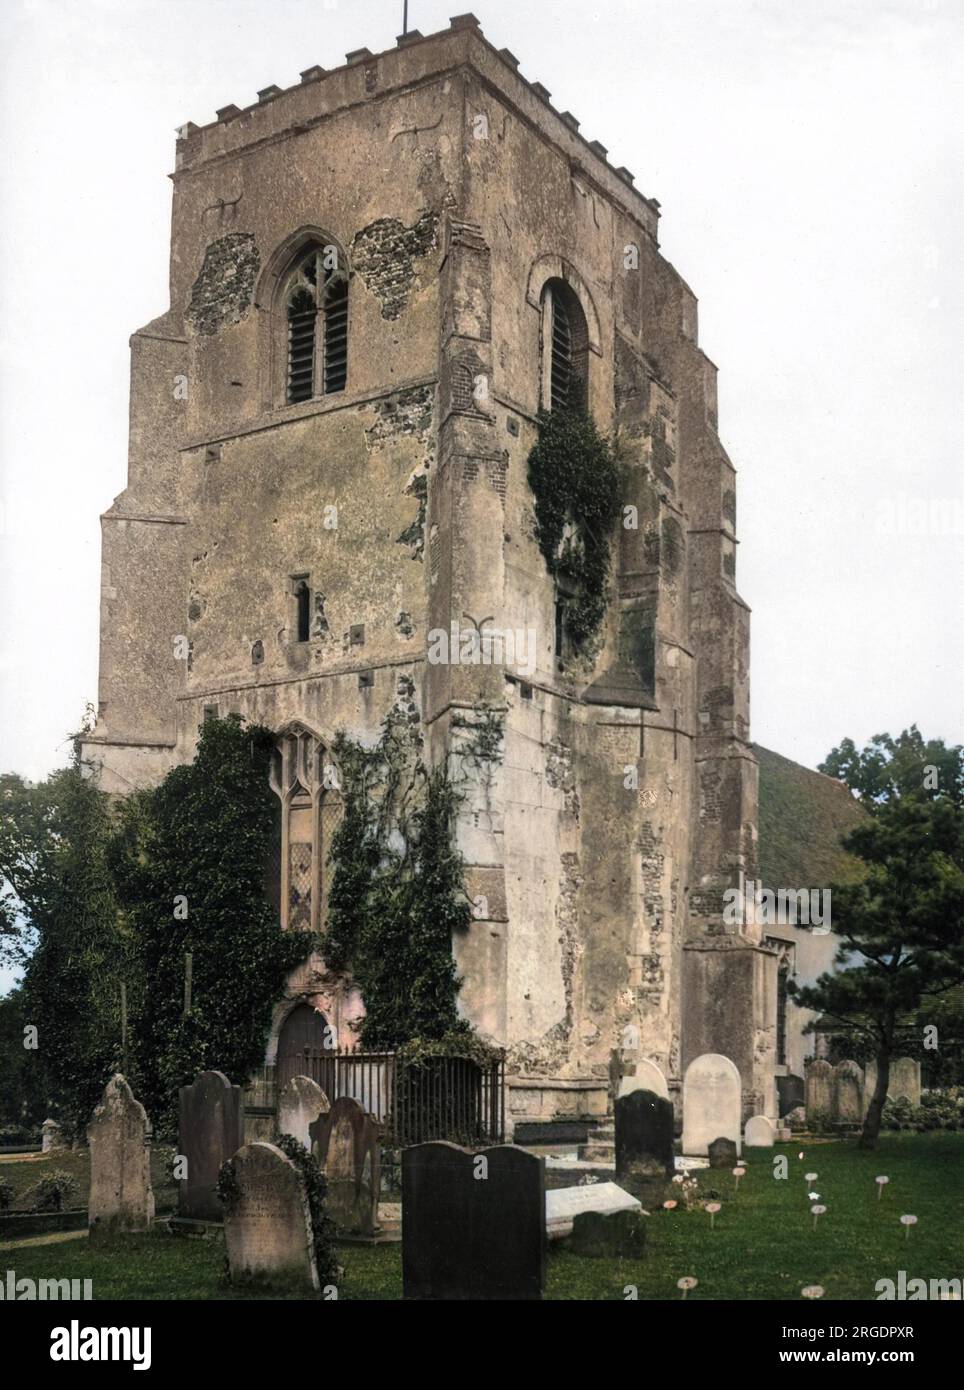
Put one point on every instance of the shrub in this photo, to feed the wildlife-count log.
(6, 1194)
(54, 1192)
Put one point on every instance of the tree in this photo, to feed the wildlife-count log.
(891, 767)
(61, 923)
(901, 926)
(23, 1099)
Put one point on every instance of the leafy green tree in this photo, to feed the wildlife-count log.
(901, 928)
(23, 1096)
(62, 924)
(890, 767)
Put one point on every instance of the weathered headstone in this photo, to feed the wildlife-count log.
(210, 1130)
(848, 1093)
(121, 1196)
(759, 1133)
(267, 1224)
(566, 1203)
(51, 1136)
(301, 1103)
(820, 1091)
(345, 1142)
(723, 1152)
(791, 1092)
(712, 1103)
(612, 1235)
(643, 1076)
(473, 1225)
(904, 1080)
(644, 1130)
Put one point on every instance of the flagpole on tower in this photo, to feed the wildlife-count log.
(405, 17)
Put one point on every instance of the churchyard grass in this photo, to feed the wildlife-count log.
(24, 1171)
(762, 1246)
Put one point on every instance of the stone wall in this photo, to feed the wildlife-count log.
(599, 843)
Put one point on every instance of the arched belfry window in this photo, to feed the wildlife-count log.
(316, 303)
(565, 348)
(306, 783)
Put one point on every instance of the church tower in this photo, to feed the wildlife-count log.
(378, 278)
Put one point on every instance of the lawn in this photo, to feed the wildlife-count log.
(762, 1246)
(24, 1171)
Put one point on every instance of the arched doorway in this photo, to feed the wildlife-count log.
(304, 1036)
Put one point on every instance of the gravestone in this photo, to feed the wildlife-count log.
(820, 1091)
(904, 1080)
(613, 1235)
(566, 1203)
(210, 1130)
(267, 1224)
(723, 1153)
(642, 1076)
(121, 1196)
(644, 1130)
(848, 1093)
(759, 1133)
(301, 1103)
(345, 1142)
(51, 1136)
(791, 1092)
(473, 1225)
(712, 1104)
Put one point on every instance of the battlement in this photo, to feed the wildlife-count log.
(366, 77)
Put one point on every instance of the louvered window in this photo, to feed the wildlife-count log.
(336, 335)
(317, 306)
(565, 343)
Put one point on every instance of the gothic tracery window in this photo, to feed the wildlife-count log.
(316, 301)
(304, 780)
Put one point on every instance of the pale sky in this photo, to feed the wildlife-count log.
(808, 161)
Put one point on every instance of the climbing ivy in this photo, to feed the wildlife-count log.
(397, 894)
(574, 476)
(316, 1190)
(189, 861)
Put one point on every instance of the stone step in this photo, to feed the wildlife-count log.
(598, 1150)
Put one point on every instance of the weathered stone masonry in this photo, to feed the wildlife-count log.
(623, 800)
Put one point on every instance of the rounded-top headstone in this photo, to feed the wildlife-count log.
(644, 1133)
(712, 1103)
(759, 1133)
(300, 1104)
(646, 1077)
(210, 1130)
(267, 1223)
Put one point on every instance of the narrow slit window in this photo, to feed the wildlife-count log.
(303, 604)
(316, 301)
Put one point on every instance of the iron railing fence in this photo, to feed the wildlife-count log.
(450, 1098)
